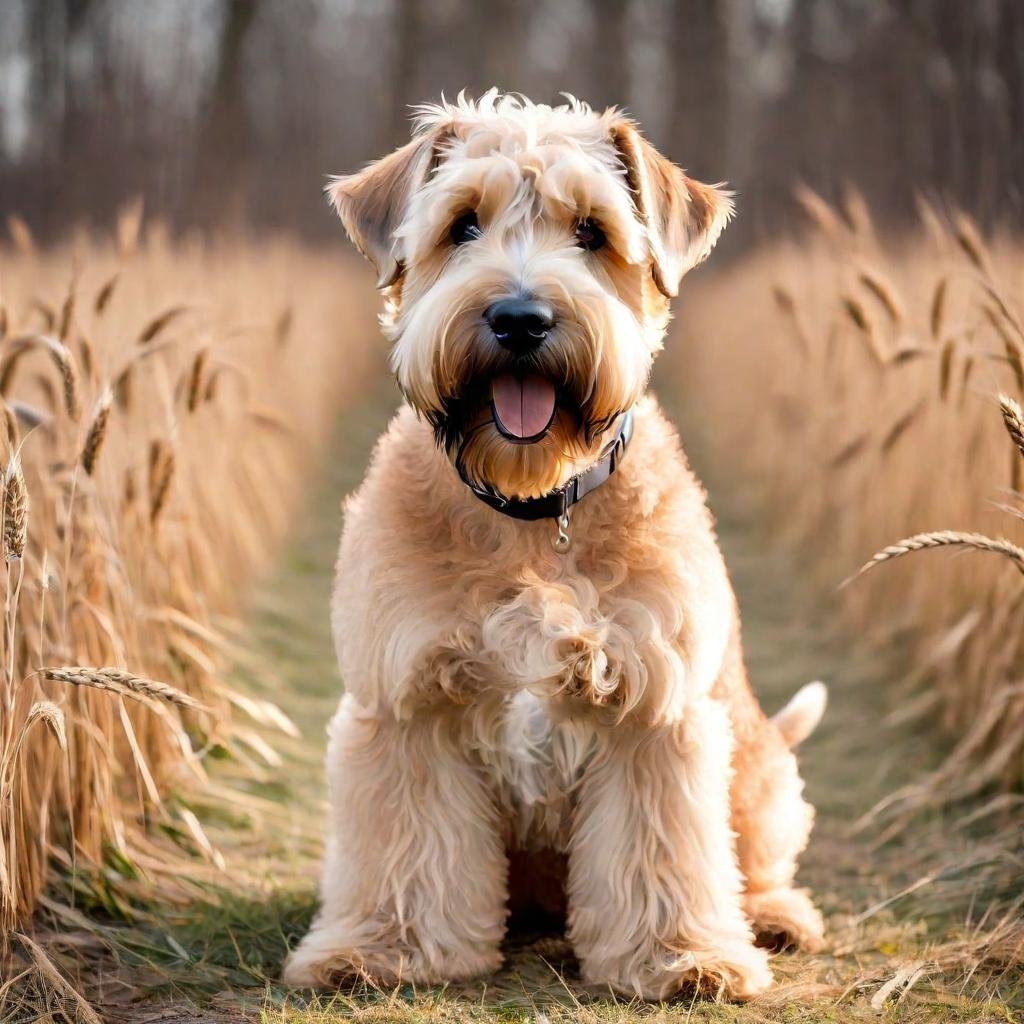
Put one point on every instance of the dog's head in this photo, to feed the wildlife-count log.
(527, 256)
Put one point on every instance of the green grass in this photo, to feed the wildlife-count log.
(218, 954)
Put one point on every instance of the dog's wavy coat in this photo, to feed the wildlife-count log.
(502, 696)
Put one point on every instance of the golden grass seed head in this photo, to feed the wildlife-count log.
(195, 379)
(885, 293)
(161, 472)
(125, 683)
(48, 712)
(105, 294)
(1013, 420)
(938, 308)
(67, 313)
(97, 431)
(820, 212)
(15, 511)
(968, 237)
(941, 539)
(158, 323)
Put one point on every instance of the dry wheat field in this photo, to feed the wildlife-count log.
(181, 416)
(163, 402)
(869, 388)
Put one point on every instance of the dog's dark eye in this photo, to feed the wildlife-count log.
(589, 235)
(465, 229)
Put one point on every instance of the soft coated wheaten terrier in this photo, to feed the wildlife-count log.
(538, 638)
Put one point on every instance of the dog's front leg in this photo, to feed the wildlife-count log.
(654, 889)
(414, 877)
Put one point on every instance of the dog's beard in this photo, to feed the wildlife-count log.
(596, 359)
(468, 425)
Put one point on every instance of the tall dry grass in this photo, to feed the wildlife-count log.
(161, 403)
(852, 381)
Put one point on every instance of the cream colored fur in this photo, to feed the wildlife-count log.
(500, 695)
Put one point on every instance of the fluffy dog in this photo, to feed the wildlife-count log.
(537, 633)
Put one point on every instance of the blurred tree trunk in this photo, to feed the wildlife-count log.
(496, 48)
(1010, 65)
(609, 53)
(410, 40)
(974, 105)
(699, 58)
(225, 137)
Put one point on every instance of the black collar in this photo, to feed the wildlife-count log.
(555, 504)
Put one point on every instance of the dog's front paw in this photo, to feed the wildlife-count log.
(324, 959)
(785, 917)
(338, 968)
(738, 972)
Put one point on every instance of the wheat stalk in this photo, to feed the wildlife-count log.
(195, 379)
(786, 305)
(161, 472)
(47, 712)
(123, 387)
(104, 295)
(67, 313)
(901, 426)
(62, 359)
(97, 431)
(858, 314)
(855, 213)
(157, 324)
(15, 511)
(938, 308)
(118, 681)
(885, 294)
(15, 349)
(969, 239)
(85, 353)
(941, 539)
(819, 211)
(1013, 419)
(61, 356)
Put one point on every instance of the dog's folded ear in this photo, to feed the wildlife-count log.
(372, 202)
(683, 218)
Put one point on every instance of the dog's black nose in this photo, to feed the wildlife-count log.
(520, 325)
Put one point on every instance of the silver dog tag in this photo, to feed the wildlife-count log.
(561, 541)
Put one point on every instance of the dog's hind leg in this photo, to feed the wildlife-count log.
(771, 819)
(654, 889)
(414, 877)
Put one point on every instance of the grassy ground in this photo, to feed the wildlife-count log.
(899, 906)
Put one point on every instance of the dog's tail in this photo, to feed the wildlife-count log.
(800, 717)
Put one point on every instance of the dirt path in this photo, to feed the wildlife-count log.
(854, 760)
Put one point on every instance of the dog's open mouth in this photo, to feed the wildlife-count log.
(523, 406)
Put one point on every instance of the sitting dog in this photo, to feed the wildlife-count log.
(536, 630)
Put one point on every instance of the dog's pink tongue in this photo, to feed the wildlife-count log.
(523, 406)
